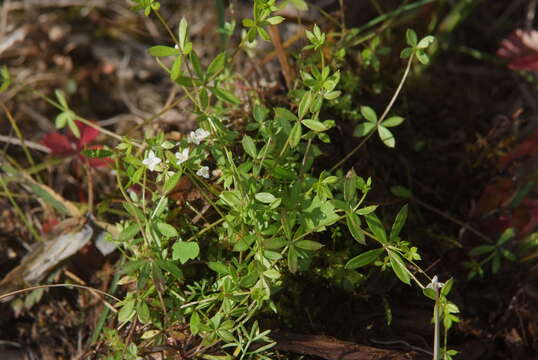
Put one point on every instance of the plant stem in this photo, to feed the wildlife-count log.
(20, 213)
(387, 109)
(453, 219)
(436, 326)
(58, 285)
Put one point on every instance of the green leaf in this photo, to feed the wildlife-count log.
(127, 310)
(175, 72)
(295, 135)
(61, 99)
(60, 120)
(248, 22)
(506, 235)
(354, 226)
(283, 113)
(244, 243)
(508, 255)
(364, 259)
(217, 64)
(183, 33)
(149, 334)
(196, 65)
(265, 197)
(308, 245)
(401, 192)
(366, 210)
(133, 211)
(218, 267)
(393, 121)
(292, 260)
(314, 125)
(272, 274)
(445, 290)
(425, 42)
(369, 114)
(342, 205)
(411, 37)
(429, 293)
(142, 310)
(225, 95)
(160, 207)
(422, 57)
(274, 243)
(350, 187)
(171, 268)
(249, 146)
(398, 223)
(96, 153)
(5, 79)
(161, 50)
(406, 53)
(72, 126)
(304, 104)
(331, 95)
(275, 20)
(129, 232)
(386, 136)
(204, 98)
(166, 229)
(263, 34)
(376, 227)
(132, 266)
(194, 323)
(171, 182)
(482, 249)
(185, 250)
(399, 268)
(231, 199)
(364, 128)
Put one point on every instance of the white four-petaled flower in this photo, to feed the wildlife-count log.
(203, 172)
(151, 161)
(182, 156)
(435, 284)
(197, 136)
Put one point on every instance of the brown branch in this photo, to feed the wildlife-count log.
(332, 349)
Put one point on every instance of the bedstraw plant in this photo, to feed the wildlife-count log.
(262, 208)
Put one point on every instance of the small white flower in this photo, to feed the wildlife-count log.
(176, 46)
(435, 284)
(203, 172)
(197, 136)
(182, 156)
(151, 161)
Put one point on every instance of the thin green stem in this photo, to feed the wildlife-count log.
(387, 109)
(436, 326)
(453, 219)
(19, 212)
(21, 138)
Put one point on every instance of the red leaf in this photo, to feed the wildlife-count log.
(528, 63)
(521, 49)
(95, 163)
(87, 134)
(58, 144)
(528, 148)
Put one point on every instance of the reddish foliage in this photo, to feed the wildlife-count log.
(61, 145)
(528, 148)
(521, 50)
(498, 195)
